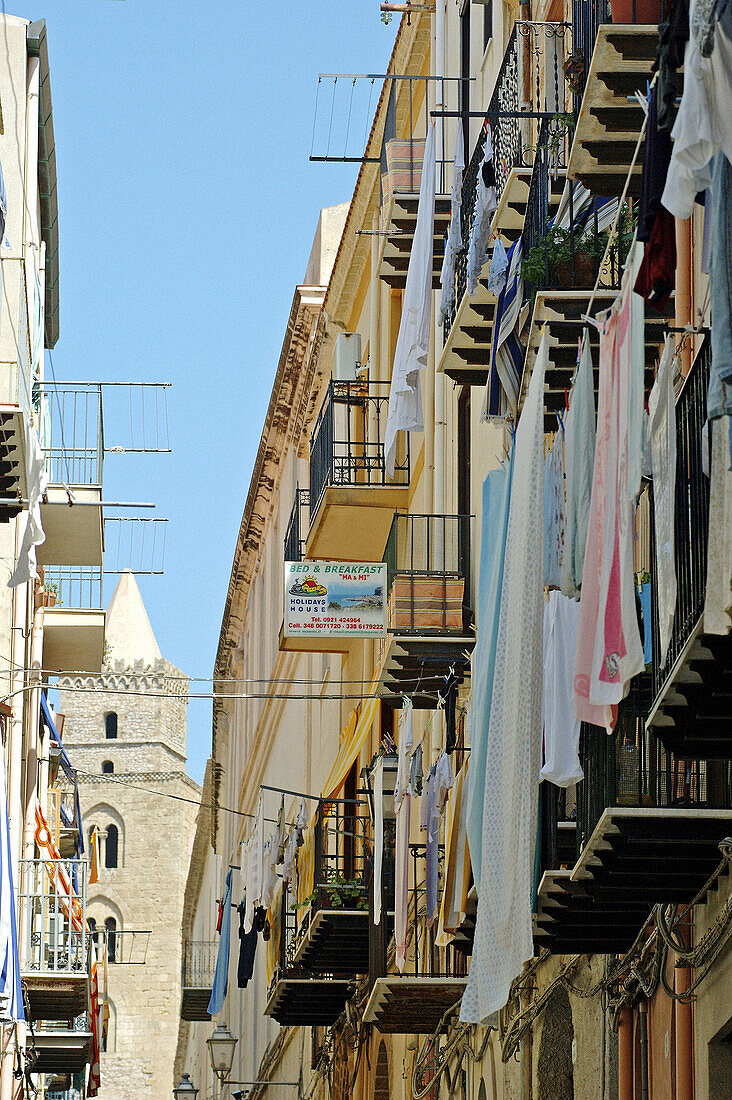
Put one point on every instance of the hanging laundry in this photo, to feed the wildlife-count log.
(496, 497)
(270, 878)
(95, 1076)
(221, 973)
(415, 772)
(457, 861)
(441, 781)
(703, 125)
(448, 697)
(657, 273)
(507, 354)
(719, 393)
(503, 933)
(454, 242)
(281, 833)
(496, 278)
(662, 433)
(10, 988)
(301, 823)
(413, 340)
(561, 726)
(402, 803)
(485, 208)
(273, 920)
(656, 159)
(305, 871)
(670, 59)
(554, 512)
(718, 596)
(378, 837)
(288, 862)
(248, 945)
(609, 648)
(37, 476)
(579, 451)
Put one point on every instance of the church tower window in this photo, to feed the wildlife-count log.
(110, 725)
(111, 846)
(107, 767)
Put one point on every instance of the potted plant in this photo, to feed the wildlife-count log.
(570, 260)
(560, 125)
(49, 593)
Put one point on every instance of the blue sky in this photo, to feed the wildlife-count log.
(187, 207)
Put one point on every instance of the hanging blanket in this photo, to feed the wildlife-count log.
(503, 934)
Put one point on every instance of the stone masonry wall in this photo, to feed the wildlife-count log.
(145, 892)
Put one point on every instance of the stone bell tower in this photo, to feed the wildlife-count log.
(126, 736)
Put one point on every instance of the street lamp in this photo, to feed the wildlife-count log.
(186, 1090)
(221, 1048)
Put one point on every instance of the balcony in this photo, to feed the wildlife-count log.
(610, 117)
(434, 978)
(333, 928)
(54, 942)
(297, 527)
(199, 965)
(649, 825)
(691, 713)
(323, 933)
(401, 176)
(62, 1050)
(74, 450)
(428, 607)
(529, 88)
(73, 629)
(352, 500)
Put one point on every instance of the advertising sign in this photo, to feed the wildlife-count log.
(343, 599)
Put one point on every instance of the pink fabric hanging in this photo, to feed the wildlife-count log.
(609, 647)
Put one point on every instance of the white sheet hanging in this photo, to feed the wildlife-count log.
(662, 434)
(718, 597)
(37, 477)
(454, 242)
(561, 726)
(503, 934)
(402, 804)
(412, 347)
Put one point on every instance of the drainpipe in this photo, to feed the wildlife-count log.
(32, 742)
(683, 1019)
(438, 477)
(374, 302)
(625, 1055)
(643, 1019)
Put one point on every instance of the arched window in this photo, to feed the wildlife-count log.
(93, 930)
(110, 725)
(111, 846)
(111, 925)
(107, 767)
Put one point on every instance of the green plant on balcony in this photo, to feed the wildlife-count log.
(567, 258)
(341, 893)
(560, 126)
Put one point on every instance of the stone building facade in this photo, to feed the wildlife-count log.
(129, 749)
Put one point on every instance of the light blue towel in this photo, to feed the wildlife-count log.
(221, 975)
(496, 496)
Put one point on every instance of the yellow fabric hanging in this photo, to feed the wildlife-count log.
(457, 861)
(353, 738)
(274, 917)
(305, 869)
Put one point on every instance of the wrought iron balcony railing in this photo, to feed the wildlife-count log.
(347, 445)
(632, 768)
(529, 87)
(428, 572)
(199, 963)
(691, 520)
(52, 903)
(297, 528)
